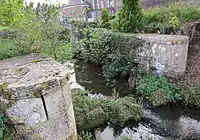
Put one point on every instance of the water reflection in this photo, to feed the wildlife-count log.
(170, 122)
(158, 124)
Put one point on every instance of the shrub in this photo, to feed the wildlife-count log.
(5, 127)
(38, 33)
(158, 91)
(105, 18)
(10, 48)
(115, 24)
(62, 52)
(10, 11)
(191, 95)
(170, 18)
(130, 16)
(86, 135)
(111, 50)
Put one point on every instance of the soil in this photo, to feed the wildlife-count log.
(192, 74)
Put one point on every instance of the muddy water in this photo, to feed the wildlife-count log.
(165, 123)
(90, 77)
(170, 122)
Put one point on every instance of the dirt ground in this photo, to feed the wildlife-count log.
(192, 74)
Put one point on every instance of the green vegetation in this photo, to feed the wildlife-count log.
(40, 31)
(111, 50)
(10, 48)
(105, 17)
(191, 95)
(3, 28)
(129, 17)
(6, 127)
(157, 91)
(85, 135)
(10, 11)
(167, 20)
(101, 111)
(36, 32)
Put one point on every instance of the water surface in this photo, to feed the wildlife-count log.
(169, 122)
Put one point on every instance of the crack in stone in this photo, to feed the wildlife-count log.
(44, 105)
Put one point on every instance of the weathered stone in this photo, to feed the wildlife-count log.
(165, 54)
(36, 92)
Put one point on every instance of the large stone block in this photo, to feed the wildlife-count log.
(34, 91)
(164, 54)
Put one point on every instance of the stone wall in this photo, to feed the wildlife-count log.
(34, 91)
(163, 54)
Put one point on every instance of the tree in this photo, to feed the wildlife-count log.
(10, 11)
(105, 17)
(130, 16)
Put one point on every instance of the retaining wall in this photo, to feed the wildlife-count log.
(163, 54)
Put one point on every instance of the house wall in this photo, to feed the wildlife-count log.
(75, 11)
(113, 6)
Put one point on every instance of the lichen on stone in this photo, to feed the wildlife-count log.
(37, 94)
(44, 86)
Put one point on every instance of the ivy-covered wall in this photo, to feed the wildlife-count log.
(118, 53)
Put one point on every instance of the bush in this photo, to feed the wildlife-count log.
(158, 91)
(111, 50)
(10, 11)
(86, 135)
(115, 24)
(170, 18)
(105, 18)
(130, 16)
(10, 48)
(191, 95)
(5, 127)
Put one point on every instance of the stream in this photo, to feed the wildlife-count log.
(169, 122)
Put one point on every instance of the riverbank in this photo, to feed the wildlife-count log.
(173, 121)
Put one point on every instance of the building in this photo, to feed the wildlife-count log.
(76, 8)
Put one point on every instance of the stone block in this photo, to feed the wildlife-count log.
(34, 91)
(163, 54)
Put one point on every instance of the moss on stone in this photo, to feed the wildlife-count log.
(4, 106)
(4, 91)
(74, 137)
(65, 80)
(91, 113)
(37, 94)
(44, 86)
(37, 137)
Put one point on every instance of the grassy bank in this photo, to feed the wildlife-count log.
(158, 91)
